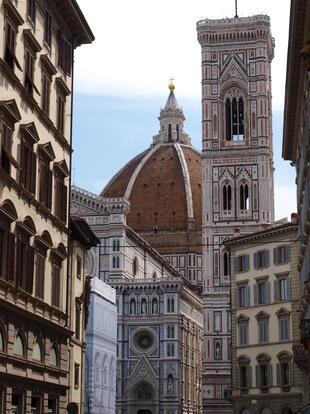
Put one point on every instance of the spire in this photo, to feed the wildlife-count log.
(171, 120)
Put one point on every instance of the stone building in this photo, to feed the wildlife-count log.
(36, 65)
(296, 145)
(101, 340)
(81, 240)
(265, 304)
(159, 328)
(237, 171)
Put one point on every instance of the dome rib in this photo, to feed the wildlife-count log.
(187, 182)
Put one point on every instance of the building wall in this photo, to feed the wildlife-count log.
(252, 353)
(236, 65)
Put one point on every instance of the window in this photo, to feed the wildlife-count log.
(261, 259)
(284, 328)
(226, 197)
(115, 262)
(244, 197)
(263, 330)
(170, 305)
(53, 357)
(170, 331)
(285, 371)
(242, 296)
(78, 267)
(244, 374)
(24, 262)
(46, 180)
(36, 352)
(40, 272)
(234, 109)
(28, 164)
(6, 148)
(48, 29)
(242, 263)
(64, 55)
(170, 350)
(29, 71)
(243, 333)
(1, 342)
(261, 292)
(55, 285)
(10, 42)
(52, 406)
(31, 10)
(76, 375)
(116, 245)
(226, 264)
(36, 405)
(78, 319)
(282, 288)
(263, 372)
(18, 346)
(7, 253)
(135, 267)
(60, 113)
(169, 133)
(46, 93)
(61, 192)
(17, 403)
(281, 254)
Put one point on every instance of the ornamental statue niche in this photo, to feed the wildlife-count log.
(154, 306)
(143, 307)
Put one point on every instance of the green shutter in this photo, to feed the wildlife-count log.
(266, 258)
(288, 288)
(247, 263)
(255, 294)
(275, 256)
(255, 260)
(247, 296)
(268, 292)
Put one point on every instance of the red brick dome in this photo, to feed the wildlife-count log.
(163, 185)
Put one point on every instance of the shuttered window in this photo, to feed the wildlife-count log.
(28, 166)
(25, 264)
(60, 113)
(40, 272)
(46, 179)
(285, 373)
(261, 259)
(46, 92)
(242, 296)
(29, 71)
(48, 29)
(262, 293)
(31, 10)
(64, 55)
(6, 148)
(263, 333)
(284, 325)
(7, 254)
(10, 41)
(60, 198)
(242, 263)
(281, 254)
(55, 285)
(243, 333)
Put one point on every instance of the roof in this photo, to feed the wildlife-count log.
(270, 231)
(71, 12)
(80, 231)
(163, 185)
(293, 78)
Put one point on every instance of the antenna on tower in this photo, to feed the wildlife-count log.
(236, 8)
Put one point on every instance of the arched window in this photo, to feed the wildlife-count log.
(36, 352)
(1, 340)
(177, 130)
(18, 345)
(115, 262)
(226, 197)
(169, 132)
(244, 197)
(53, 357)
(171, 305)
(234, 109)
(135, 267)
(226, 264)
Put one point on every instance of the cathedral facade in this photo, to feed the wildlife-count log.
(237, 172)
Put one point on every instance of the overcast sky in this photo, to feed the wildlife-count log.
(139, 45)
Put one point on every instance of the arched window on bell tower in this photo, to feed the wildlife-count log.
(177, 130)
(244, 196)
(226, 197)
(169, 133)
(226, 264)
(234, 109)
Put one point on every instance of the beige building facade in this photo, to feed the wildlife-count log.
(36, 66)
(265, 302)
(296, 145)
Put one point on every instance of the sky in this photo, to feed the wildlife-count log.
(121, 82)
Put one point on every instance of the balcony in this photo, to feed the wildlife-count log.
(304, 410)
(305, 329)
(301, 357)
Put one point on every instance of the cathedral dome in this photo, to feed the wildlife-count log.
(163, 183)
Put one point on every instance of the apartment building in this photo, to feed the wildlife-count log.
(36, 66)
(265, 301)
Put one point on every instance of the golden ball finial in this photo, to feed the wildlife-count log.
(171, 85)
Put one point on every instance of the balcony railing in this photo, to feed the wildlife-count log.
(301, 357)
(305, 329)
(304, 410)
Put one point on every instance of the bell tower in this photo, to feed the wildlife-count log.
(237, 171)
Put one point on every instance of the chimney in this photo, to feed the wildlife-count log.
(236, 232)
(294, 218)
